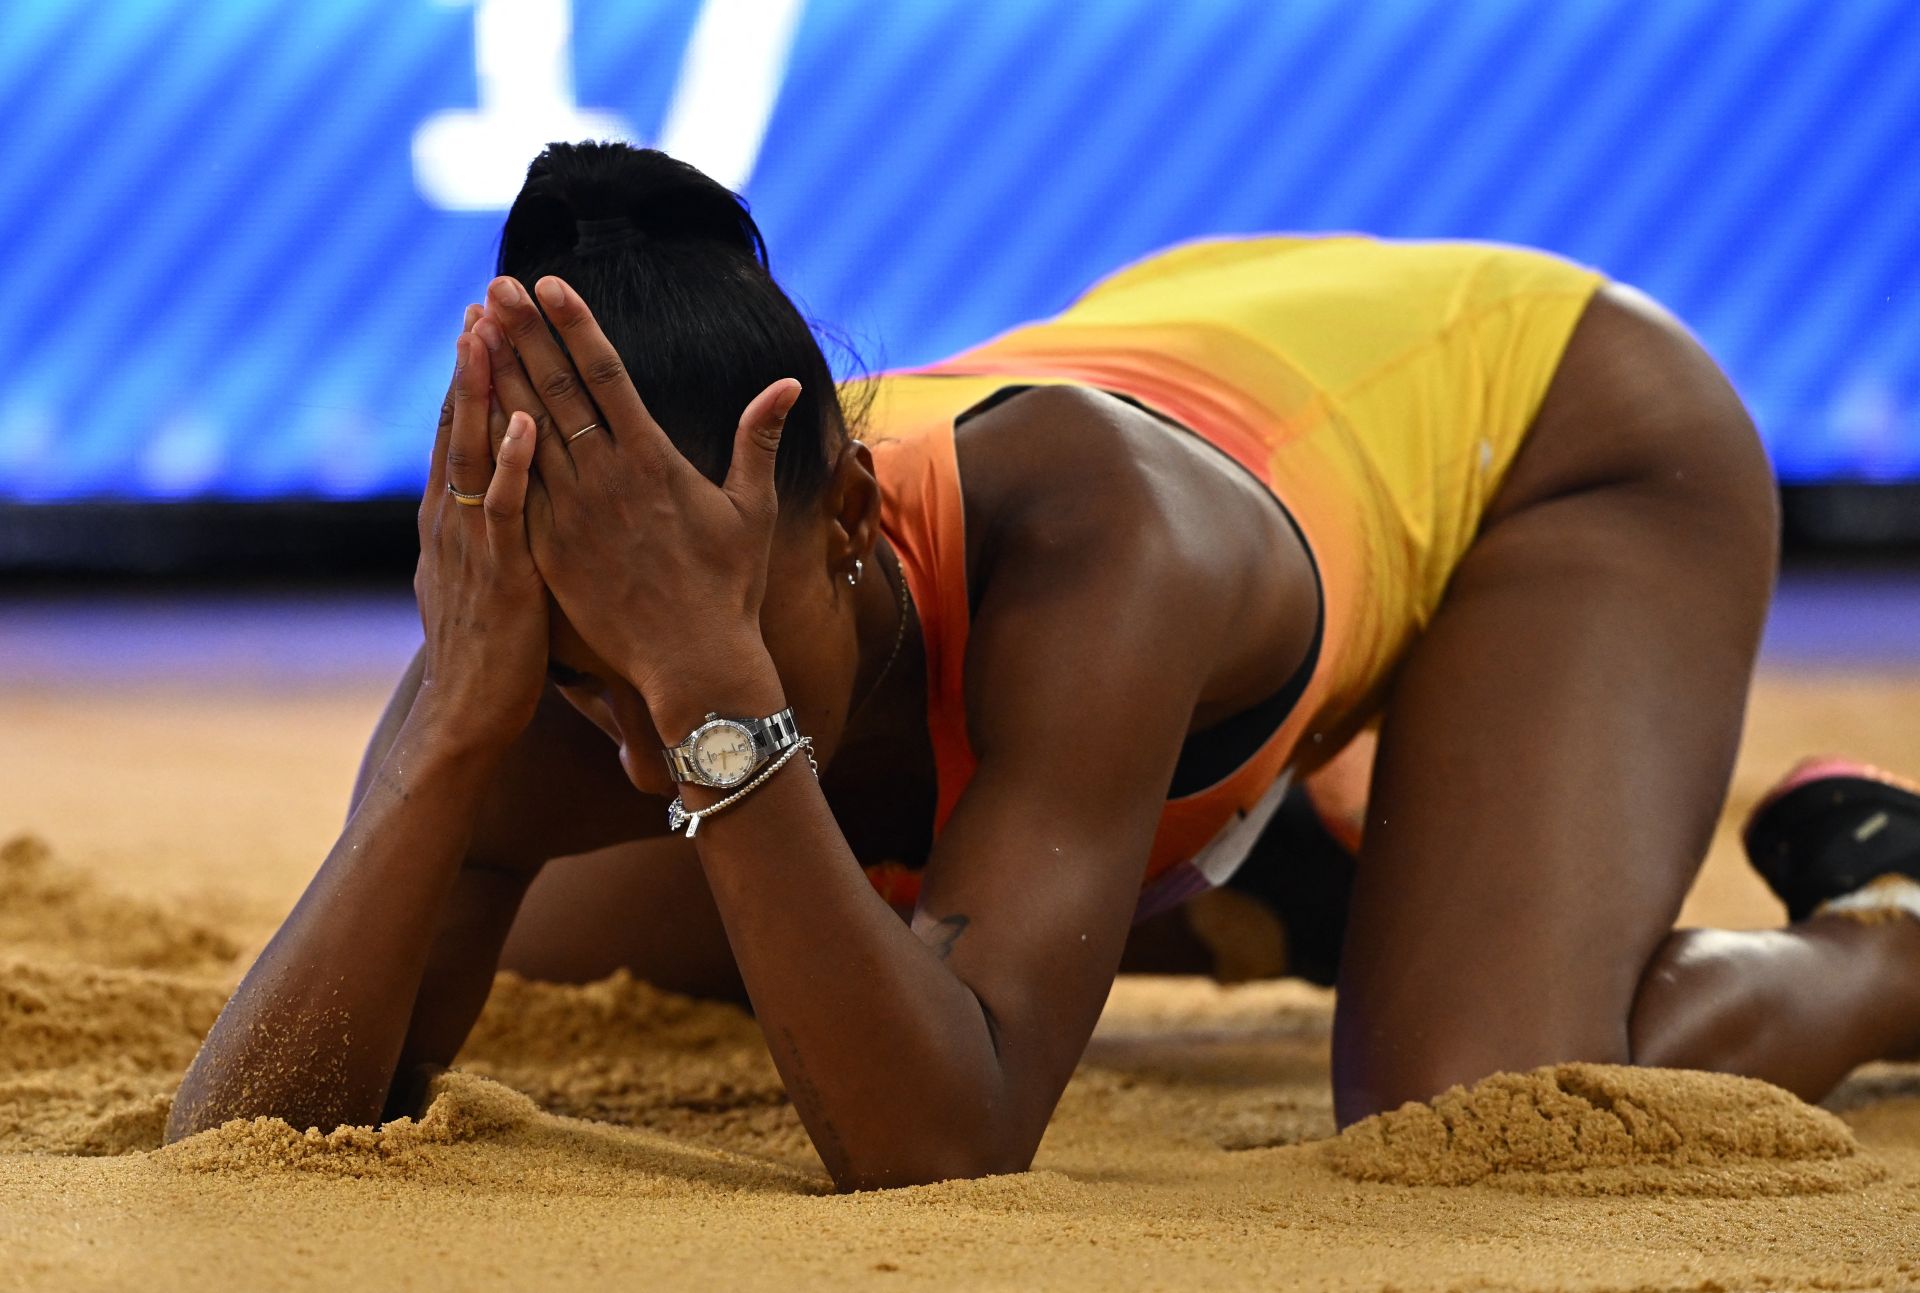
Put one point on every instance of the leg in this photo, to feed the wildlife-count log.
(1800, 1007)
(1559, 742)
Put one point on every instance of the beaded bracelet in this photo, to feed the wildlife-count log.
(678, 816)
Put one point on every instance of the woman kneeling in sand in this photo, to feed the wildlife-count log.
(945, 708)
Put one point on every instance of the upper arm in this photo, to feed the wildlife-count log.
(1083, 680)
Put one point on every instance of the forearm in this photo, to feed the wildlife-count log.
(315, 1030)
(890, 1059)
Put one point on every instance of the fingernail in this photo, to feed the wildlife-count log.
(552, 295)
(507, 292)
(517, 426)
(786, 402)
(489, 332)
(460, 353)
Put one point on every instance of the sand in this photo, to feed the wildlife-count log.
(612, 1135)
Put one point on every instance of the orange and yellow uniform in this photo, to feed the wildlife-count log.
(1380, 389)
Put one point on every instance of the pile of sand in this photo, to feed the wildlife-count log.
(609, 1135)
(462, 1108)
(53, 913)
(103, 1001)
(1603, 1129)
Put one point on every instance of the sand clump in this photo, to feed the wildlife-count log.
(1606, 1129)
(461, 1108)
(54, 913)
(103, 1001)
(624, 1052)
(482, 1139)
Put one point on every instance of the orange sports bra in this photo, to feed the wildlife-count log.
(1379, 389)
(1206, 829)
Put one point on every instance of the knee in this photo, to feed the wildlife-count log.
(1374, 1072)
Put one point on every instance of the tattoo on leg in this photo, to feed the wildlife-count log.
(946, 933)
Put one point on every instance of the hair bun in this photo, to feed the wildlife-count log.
(594, 196)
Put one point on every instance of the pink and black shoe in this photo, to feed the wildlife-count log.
(1829, 827)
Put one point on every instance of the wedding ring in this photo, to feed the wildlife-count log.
(591, 426)
(466, 500)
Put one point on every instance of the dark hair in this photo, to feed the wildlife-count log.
(676, 274)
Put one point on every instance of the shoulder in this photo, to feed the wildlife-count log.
(1062, 473)
(1091, 575)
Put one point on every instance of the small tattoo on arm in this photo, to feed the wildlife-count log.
(946, 933)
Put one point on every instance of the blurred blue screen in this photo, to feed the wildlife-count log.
(239, 233)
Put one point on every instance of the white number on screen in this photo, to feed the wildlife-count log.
(729, 77)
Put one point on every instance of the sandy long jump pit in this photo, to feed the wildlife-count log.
(614, 1136)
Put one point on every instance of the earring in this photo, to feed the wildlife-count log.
(853, 576)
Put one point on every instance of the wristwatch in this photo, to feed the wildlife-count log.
(724, 752)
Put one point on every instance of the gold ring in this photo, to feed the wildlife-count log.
(591, 426)
(466, 500)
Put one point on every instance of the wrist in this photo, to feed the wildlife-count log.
(468, 732)
(736, 683)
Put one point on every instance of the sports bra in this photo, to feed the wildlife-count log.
(1378, 389)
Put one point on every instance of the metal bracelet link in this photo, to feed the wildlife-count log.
(678, 816)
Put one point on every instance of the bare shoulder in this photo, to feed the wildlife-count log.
(1113, 546)
(1085, 590)
(1069, 473)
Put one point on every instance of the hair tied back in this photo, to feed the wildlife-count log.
(604, 233)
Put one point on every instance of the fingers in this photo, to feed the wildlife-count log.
(436, 465)
(514, 391)
(507, 493)
(548, 369)
(469, 462)
(756, 447)
(598, 365)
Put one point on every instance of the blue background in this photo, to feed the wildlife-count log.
(223, 281)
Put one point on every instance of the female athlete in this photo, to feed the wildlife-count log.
(1060, 621)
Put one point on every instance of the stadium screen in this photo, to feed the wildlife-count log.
(239, 234)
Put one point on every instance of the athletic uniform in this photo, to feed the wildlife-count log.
(1378, 389)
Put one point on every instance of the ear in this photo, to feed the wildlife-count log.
(851, 506)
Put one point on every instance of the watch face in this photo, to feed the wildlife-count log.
(723, 752)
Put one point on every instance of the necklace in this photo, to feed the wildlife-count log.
(905, 599)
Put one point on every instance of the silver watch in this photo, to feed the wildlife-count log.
(724, 752)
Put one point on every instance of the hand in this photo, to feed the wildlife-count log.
(482, 603)
(661, 571)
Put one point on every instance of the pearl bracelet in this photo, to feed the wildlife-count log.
(678, 816)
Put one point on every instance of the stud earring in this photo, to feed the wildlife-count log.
(853, 576)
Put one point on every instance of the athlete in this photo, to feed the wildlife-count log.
(892, 709)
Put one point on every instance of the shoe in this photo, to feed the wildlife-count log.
(1831, 826)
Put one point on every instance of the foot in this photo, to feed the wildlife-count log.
(1830, 829)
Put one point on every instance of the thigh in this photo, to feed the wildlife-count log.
(1558, 744)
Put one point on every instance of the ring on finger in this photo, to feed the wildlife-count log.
(466, 500)
(591, 426)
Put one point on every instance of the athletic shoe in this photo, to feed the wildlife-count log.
(1829, 828)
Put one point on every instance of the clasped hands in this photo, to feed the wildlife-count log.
(658, 569)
